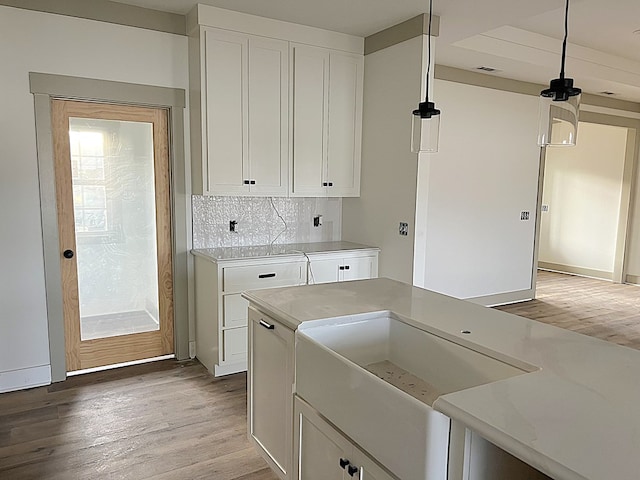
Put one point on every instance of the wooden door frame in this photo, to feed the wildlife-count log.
(46, 87)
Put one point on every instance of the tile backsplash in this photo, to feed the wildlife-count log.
(258, 222)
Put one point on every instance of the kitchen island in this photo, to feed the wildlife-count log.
(571, 414)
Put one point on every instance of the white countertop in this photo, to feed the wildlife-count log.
(269, 251)
(576, 417)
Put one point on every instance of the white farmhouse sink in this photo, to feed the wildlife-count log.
(376, 379)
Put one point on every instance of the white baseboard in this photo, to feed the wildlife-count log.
(503, 298)
(25, 378)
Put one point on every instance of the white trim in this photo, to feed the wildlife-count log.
(118, 365)
(25, 378)
(503, 298)
(229, 368)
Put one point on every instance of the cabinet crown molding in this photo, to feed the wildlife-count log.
(206, 15)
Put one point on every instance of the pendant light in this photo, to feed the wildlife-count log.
(425, 120)
(559, 104)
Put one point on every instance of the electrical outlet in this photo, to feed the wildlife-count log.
(232, 225)
(317, 220)
(403, 229)
(524, 215)
(545, 208)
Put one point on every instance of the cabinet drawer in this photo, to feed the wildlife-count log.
(235, 311)
(237, 279)
(234, 345)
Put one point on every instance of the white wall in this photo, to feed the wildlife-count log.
(582, 189)
(471, 194)
(46, 43)
(392, 86)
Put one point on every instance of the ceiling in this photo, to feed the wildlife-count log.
(521, 38)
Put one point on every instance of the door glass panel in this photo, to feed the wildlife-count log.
(115, 226)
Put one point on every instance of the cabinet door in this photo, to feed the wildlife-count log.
(324, 271)
(268, 110)
(369, 470)
(270, 397)
(310, 115)
(357, 268)
(225, 91)
(319, 447)
(323, 453)
(345, 124)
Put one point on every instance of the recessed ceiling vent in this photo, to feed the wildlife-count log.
(607, 92)
(487, 69)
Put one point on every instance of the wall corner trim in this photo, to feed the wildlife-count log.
(109, 12)
(414, 27)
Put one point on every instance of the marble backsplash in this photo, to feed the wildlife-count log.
(259, 224)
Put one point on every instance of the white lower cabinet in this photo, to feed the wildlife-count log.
(269, 391)
(331, 268)
(221, 312)
(323, 453)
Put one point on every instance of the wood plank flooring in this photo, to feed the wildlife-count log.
(166, 420)
(593, 307)
(173, 420)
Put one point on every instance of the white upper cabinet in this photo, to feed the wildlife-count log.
(245, 104)
(345, 124)
(224, 94)
(276, 108)
(326, 123)
(268, 106)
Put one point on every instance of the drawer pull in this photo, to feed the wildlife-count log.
(268, 326)
(266, 275)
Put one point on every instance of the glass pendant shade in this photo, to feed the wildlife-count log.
(425, 129)
(558, 116)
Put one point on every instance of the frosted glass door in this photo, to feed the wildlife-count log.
(114, 227)
(114, 210)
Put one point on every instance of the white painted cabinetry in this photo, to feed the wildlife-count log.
(326, 122)
(322, 453)
(245, 104)
(269, 391)
(325, 268)
(221, 312)
(276, 108)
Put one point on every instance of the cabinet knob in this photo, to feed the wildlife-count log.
(67, 254)
(325, 184)
(344, 462)
(252, 182)
(331, 184)
(352, 470)
(246, 182)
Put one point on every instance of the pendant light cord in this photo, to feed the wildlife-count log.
(426, 94)
(564, 42)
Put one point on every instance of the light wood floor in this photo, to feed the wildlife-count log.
(593, 307)
(166, 420)
(170, 420)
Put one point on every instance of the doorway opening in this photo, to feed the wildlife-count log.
(585, 204)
